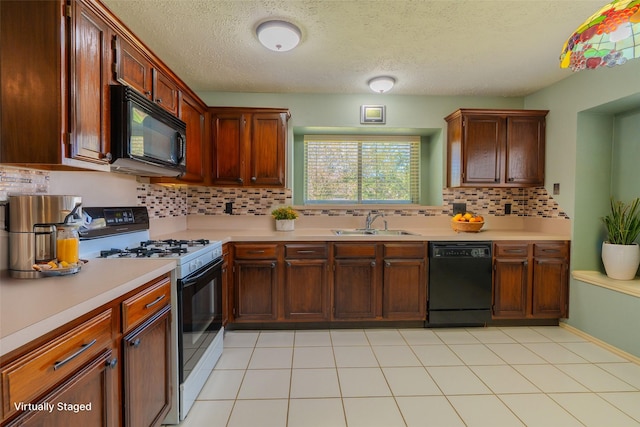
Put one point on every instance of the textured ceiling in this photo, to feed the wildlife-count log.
(432, 47)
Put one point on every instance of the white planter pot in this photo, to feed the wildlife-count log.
(621, 261)
(285, 224)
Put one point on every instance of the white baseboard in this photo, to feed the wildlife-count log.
(601, 343)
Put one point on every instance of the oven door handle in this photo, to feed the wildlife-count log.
(193, 279)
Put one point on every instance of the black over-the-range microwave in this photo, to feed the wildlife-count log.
(146, 140)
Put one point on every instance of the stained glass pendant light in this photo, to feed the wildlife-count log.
(610, 37)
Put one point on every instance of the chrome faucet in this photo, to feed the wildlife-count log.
(369, 221)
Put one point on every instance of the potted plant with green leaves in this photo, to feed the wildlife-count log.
(285, 217)
(621, 253)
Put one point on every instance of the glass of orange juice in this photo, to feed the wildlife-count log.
(68, 244)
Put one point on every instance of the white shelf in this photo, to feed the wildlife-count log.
(629, 287)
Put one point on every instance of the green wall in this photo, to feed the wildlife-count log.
(592, 150)
(592, 126)
(340, 113)
(625, 183)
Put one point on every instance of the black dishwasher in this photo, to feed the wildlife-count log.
(459, 284)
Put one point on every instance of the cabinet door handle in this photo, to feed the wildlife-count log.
(155, 301)
(273, 265)
(387, 263)
(135, 343)
(148, 93)
(240, 180)
(254, 179)
(159, 100)
(82, 349)
(288, 264)
(373, 263)
(112, 363)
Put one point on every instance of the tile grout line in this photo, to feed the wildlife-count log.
(521, 341)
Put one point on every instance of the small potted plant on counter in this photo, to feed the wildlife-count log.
(620, 253)
(285, 217)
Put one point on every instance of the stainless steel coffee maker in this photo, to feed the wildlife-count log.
(33, 222)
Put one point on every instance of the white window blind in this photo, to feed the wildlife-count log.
(361, 169)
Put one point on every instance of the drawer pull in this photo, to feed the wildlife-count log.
(82, 349)
(306, 251)
(514, 251)
(256, 251)
(155, 301)
(551, 251)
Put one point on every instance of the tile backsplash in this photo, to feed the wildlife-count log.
(23, 181)
(175, 201)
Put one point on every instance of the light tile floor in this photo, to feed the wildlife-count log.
(531, 376)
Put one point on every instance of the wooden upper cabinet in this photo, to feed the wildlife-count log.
(193, 113)
(495, 148)
(483, 148)
(267, 149)
(90, 81)
(134, 68)
(248, 146)
(524, 157)
(228, 133)
(165, 92)
(54, 51)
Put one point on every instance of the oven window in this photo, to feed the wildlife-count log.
(201, 316)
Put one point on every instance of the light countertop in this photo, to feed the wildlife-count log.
(238, 229)
(30, 308)
(311, 234)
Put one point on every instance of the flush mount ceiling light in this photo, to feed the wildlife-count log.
(381, 84)
(610, 37)
(279, 36)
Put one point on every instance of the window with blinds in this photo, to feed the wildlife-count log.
(361, 169)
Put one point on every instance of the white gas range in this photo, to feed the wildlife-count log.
(197, 332)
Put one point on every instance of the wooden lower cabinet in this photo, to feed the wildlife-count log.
(255, 293)
(530, 280)
(510, 279)
(355, 289)
(85, 399)
(305, 290)
(329, 282)
(404, 289)
(550, 289)
(146, 359)
(379, 281)
(510, 287)
(115, 359)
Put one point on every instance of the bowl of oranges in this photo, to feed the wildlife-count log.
(467, 222)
